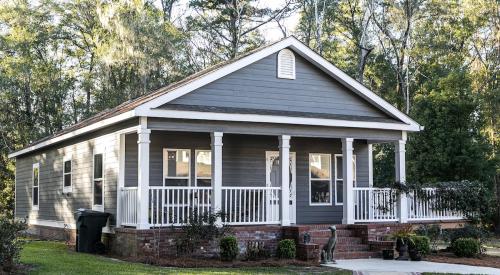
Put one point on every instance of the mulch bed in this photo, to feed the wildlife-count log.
(185, 262)
(450, 258)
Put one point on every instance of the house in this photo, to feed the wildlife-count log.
(214, 141)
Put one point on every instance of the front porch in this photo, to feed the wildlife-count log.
(165, 176)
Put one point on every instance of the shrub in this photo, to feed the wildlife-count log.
(256, 250)
(228, 248)
(10, 245)
(467, 231)
(466, 247)
(286, 249)
(433, 232)
(421, 244)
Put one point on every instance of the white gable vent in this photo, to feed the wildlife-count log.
(286, 64)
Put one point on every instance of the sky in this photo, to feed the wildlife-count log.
(271, 31)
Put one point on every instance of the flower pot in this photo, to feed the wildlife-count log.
(402, 249)
(415, 255)
(388, 254)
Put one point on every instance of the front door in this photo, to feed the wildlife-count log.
(273, 179)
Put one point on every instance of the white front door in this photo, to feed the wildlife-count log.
(273, 179)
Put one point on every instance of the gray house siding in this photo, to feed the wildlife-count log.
(53, 204)
(244, 163)
(256, 86)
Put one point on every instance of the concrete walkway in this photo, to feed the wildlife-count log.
(379, 266)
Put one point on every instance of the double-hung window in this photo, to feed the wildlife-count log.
(320, 179)
(35, 194)
(176, 167)
(98, 182)
(67, 172)
(339, 179)
(203, 168)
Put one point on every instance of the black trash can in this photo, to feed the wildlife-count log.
(89, 226)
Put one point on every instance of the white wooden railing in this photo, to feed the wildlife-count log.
(175, 205)
(428, 205)
(251, 205)
(128, 206)
(375, 204)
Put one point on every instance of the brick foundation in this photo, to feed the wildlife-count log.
(138, 243)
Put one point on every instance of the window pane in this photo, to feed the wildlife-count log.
(176, 182)
(36, 174)
(340, 191)
(35, 196)
(67, 180)
(67, 166)
(204, 164)
(320, 191)
(339, 168)
(177, 163)
(98, 192)
(320, 166)
(204, 182)
(98, 166)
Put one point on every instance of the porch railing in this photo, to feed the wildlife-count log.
(251, 205)
(427, 204)
(375, 204)
(175, 205)
(128, 206)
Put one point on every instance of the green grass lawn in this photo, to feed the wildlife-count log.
(45, 257)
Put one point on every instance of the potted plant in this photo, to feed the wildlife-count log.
(403, 239)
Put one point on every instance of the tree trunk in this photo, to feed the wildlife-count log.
(363, 57)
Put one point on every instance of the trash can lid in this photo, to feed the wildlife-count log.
(89, 212)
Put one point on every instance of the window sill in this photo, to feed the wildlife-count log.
(67, 190)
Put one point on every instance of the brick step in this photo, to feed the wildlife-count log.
(349, 248)
(340, 240)
(357, 255)
(327, 233)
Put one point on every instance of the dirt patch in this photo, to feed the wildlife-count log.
(448, 257)
(185, 262)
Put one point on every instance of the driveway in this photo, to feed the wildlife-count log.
(379, 266)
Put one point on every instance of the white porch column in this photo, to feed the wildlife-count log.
(401, 178)
(348, 180)
(217, 172)
(143, 141)
(285, 178)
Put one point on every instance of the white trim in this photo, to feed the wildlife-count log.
(62, 224)
(337, 203)
(276, 119)
(370, 165)
(37, 206)
(165, 165)
(305, 52)
(196, 151)
(98, 151)
(67, 189)
(92, 127)
(121, 178)
(330, 179)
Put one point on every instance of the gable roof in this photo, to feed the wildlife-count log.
(146, 105)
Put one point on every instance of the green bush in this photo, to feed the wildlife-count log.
(10, 245)
(421, 243)
(286, 249)
(229, 249)
(467, 231)
(434, 233)
(466, 247)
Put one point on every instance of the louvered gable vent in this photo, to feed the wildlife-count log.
(286, 64)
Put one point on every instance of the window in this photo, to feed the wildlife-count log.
(339, 179)
(35, 194)
(286, 64)
(67, 171)
(98, 182)
(203, 168)
(176, 167)
(320, 179)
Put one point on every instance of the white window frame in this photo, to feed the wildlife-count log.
(67, 189)
(165, 165)
(37, 206)
(329, 179)
(196, 167)
(98, 207)
(337, 179)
